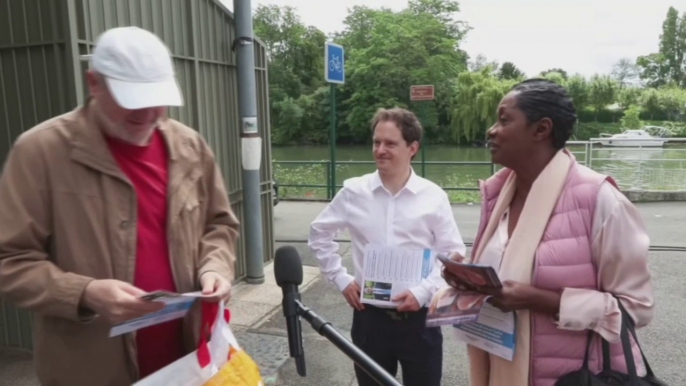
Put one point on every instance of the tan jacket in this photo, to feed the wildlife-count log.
(68, 216)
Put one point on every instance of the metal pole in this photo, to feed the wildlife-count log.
(332, 140)
(422, 119)
(251, 142)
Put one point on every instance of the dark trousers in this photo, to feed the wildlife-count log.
(389, 337)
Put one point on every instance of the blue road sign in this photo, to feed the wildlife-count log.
(334, 67)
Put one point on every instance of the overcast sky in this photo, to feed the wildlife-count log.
(584, 36)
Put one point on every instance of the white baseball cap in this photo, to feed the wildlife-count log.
(137, 67)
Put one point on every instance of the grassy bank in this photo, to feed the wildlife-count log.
(587, 130)
(316, 175)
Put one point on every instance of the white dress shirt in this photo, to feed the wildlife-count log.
(418, 216)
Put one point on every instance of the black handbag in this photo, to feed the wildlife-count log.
(608, 376)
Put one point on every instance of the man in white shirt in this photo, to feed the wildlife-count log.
(396, 208)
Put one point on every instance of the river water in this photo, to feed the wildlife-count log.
(633, 168)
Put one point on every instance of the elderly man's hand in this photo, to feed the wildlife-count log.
(215, 287)
(117, 301)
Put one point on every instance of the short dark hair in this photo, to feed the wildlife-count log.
(407, 122)
(542, 98)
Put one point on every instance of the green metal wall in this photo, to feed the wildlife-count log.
(42, 43)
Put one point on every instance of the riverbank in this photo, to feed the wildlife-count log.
(649, 174)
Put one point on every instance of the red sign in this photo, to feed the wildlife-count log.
(422, 93)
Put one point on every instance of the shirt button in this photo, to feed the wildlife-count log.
(124, 224)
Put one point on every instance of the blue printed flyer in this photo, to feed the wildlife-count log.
(176, 306)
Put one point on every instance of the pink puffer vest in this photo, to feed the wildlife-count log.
(563, 260)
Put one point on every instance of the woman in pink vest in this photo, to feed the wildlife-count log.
(563, 240)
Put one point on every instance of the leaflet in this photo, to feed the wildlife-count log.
(388, 271)
(451, 306)
(176, 306)
(493, 331)
(471, 276)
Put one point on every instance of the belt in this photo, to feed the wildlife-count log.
(398, 315)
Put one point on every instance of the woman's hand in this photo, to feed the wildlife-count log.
(454, 280)
(517, 296)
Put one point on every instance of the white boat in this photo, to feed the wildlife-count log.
(632, 138)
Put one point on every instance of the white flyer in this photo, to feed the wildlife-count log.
(493, 331)
(176, 306)
(388, 271)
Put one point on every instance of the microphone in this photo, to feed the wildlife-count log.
(288, 271)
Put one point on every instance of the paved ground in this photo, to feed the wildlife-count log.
(261, 328)
(664, 340)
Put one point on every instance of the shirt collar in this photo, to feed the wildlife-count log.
(413, 183)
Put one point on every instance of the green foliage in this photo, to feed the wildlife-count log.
(602, 92)
(317, 174)
(628, 96)
(473, 106)
(555, 76)
(509, 71)
(390, 51)
(671, 46)
(676, 129)
(560, 71)
(578, 90)
(668, 65)
(631, 118)
(651, 101)
(625, 72)
(304, 174)
(295, 73)
(653, 69)
(672, 100)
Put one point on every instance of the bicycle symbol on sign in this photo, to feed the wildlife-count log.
(335, 64)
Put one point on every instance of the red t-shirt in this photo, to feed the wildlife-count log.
(147, 168)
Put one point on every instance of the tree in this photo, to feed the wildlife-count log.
(631, 119)
(653, 69)
(556, 77)
(578, 90)
(602, 92)
(481, 62)
(509, 71)
(473, 106)
(668, 65)
(625, 72)
(628, 96)
(562, 72)
(296, 65)
(672, 45)
(672, 101)
(419, 45)
(651, 102)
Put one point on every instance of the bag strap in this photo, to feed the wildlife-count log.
(607, 361)
(626, 346)
(627, 327)
(632, 329)
(589, 338)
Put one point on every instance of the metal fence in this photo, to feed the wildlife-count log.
(41, 76)
(635, 168)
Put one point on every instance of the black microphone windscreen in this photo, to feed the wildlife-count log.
(288, 269)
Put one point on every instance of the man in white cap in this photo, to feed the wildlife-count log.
(104, 204)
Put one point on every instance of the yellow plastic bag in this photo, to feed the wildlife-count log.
(208, 366)
(240, 370)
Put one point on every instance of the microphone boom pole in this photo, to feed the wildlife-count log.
(326, 330)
